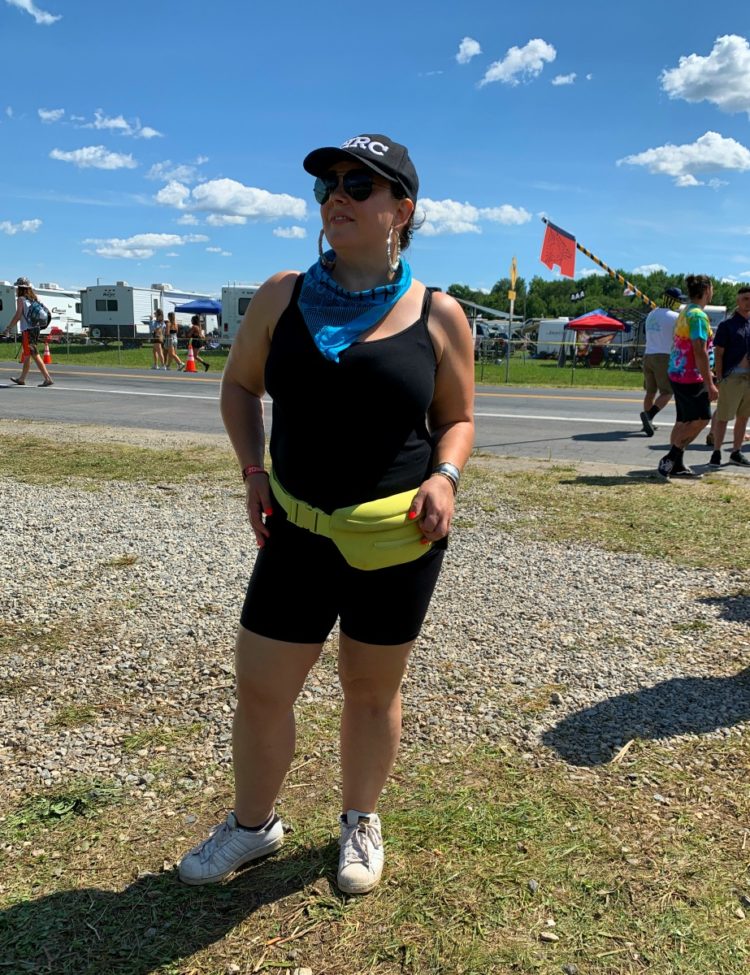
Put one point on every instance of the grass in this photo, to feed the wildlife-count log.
(111, 355)
(621, 513)
(528, 372)
(487, 856)
(27, 458)
(498, 862)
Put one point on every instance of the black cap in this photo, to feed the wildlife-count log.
(675, 293)
(376, 152)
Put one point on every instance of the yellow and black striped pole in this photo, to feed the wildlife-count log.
(613, 274)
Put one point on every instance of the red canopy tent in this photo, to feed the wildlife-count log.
(596, 321)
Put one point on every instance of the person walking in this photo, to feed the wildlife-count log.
(157, 339)
(170, 349)
(25, 295)
(197, 340)
(732, 369)
(690, 376)
(371, 377)
(659, 327)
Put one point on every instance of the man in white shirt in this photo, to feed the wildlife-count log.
(659, 331)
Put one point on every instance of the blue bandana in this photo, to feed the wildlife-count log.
(335, 317)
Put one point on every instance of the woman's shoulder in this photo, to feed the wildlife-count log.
(274, 294)
(447, 314)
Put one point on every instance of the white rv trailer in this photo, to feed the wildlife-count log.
(64, 304)
(234, 301)
(551, 335)
(121, 311)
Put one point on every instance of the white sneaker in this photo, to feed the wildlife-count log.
(361, 854)
(227, 849)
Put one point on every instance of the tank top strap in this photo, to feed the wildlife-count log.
(426, 306)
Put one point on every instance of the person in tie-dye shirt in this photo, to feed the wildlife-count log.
(690, 376)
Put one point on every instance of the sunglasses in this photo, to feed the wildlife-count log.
(357, 183)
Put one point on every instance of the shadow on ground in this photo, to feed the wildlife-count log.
(154, 922)
(733, 607)
(681, 706)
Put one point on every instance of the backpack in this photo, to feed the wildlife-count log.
(38, 315)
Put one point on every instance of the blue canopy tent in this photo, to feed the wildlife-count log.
(204, 306)
(200, 306)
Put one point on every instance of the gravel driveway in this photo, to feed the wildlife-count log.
(129, 609)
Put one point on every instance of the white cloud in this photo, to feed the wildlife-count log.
(171, 254)
(722, 77)
(589, 77)
(95, 157)
(506, 214)
(589, 272)
(290, 233)
(520, 62)
(648, 268)
(24, 227)
(228, 201)
(709, 153)
(168, 171)
(9, 111)
(743, 278)
(564, 79)
(173, 194)
(214, 250)
(40, 16)
(468, 49)
(187, 219)
(224, 220)
(119, 124)
(50, 114)
(141, 246)
(452, 217)
(199, 160)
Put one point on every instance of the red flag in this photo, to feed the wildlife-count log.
(559, 248)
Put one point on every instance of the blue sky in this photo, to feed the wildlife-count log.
(163, 141)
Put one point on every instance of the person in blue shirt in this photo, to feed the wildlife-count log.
(732, 369)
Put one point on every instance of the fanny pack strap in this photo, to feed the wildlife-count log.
(299, 513)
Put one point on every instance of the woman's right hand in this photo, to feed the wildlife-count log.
(258, 503)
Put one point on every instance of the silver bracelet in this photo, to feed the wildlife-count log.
(451, 472)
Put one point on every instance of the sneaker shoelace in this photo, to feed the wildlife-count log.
(215, 841)
(359, 842)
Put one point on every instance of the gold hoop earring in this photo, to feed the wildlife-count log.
(323, 259)
(393, 262)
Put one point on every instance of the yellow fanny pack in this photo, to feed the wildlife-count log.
(373, 535)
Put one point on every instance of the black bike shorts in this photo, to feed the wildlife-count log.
(691, 402)
(301, 584)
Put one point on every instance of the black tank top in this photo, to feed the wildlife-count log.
(353, 430)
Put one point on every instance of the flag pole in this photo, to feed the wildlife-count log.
(613, 274)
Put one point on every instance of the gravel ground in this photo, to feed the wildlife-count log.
(129, 608)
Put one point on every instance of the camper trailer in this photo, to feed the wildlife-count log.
(113, 312)
(550, 337)
(64, 304)
(234, 301)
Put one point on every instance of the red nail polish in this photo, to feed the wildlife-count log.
(424, 541)
(268, 511)
(412, 515)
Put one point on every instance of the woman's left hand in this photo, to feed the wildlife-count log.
(433, 507)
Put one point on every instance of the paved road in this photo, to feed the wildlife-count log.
(555, 424)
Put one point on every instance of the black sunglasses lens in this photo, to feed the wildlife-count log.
(324, 186)
(358, 185)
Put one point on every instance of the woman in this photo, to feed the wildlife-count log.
(197, 340)
(371, 378)
(25, 294)
(157, 339)
(170, 351)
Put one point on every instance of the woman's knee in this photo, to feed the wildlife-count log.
(270, 673)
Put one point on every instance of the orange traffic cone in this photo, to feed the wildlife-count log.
(190, 364)
(47, 357)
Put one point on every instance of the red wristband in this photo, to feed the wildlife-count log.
(252, 469)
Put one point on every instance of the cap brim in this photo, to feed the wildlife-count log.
(319, 161)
